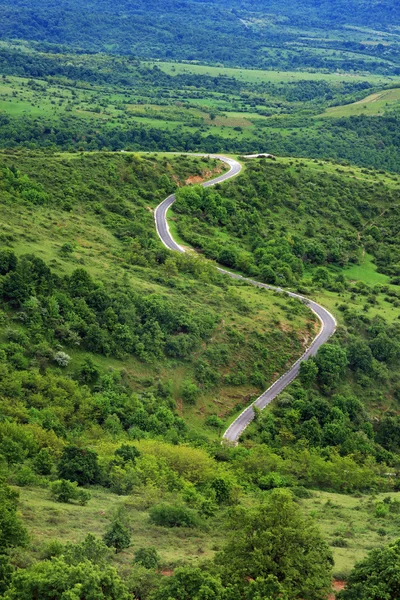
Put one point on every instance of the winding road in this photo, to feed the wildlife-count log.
(327, 320)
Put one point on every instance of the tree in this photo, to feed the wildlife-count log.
(65, 491)
(62, 359)
(56, 579)
(190, 584)
(8, 261)
(127, 453)
(360, 356)
(117, 536)
(6, 571)
(15, 290)
(277, 540)
(12, 532)
(43, 463)
(384, 348)
(78, 464)
(92, 549)
(331, 361)
(308, 372)
(147, 557)
(168, 515)
(376, 577)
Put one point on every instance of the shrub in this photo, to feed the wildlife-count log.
(63, 490)
(62, 359)
(117, 536)
(127, 453)
(147, 557)
(167, 515)
(214, 421)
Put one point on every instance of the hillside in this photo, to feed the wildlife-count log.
(306, 34)
(122, 363)
(86, 224)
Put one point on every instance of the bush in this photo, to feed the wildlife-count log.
(127, 453)
(117, 536)
(300, 491)
(167, 515)
(147, 557)
(62, 359)
(214, 421)
(66, 491)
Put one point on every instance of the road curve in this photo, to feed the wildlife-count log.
(327, 320)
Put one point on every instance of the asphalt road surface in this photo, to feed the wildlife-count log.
(328, 323)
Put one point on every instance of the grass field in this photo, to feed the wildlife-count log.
(47, 520)
(255, 75)
(349, 524)
(373, 105)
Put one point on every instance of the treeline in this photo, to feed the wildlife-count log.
(364, 141)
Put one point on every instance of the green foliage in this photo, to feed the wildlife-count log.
(375, 577)
(168, 515)
(276, 540)
(92, 549)
(189, 584)
(331, 361)
(147, 557)
(308, 372)
(56, 579)
(12, 532)
(6, 571)
(117, 536)
(43, 462)
(65, 491)
(127, 453)
(79, 465)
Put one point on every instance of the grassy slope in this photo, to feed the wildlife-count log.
(258, 75)
(348, 522)
(373, 105)
(242, 308)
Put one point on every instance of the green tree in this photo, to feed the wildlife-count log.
(65, 491)
(92, 549)
(43, 463)
(127, 453)
(360, 356)
(12, 532)
(377, 577)
(79, 464)
(56, 579)
(168, 515)
(277, 540)
(6, 571)
(190, 584)
(147, 557)
(308, 372)
(8, 261)
(331, 361)
(384, 348)
(117, 536)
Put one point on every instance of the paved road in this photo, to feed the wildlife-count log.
(328, 323)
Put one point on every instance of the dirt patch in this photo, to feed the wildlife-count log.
(194, 180)
(337, 586)
(167, 572)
